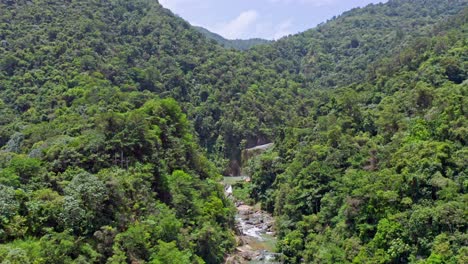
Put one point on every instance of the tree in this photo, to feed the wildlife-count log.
(170, 254)
(84, 201)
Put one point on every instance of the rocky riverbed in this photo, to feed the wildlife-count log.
(255, 235)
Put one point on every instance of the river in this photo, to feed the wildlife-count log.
(254, 230)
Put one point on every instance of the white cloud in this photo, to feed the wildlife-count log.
(250, 24)
(283, 29)
(239, 26)
(312, 2)
(247, 24)
(174, 4)
(169, 3)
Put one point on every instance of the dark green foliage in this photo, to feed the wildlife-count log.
(96, 193)
(373, 174)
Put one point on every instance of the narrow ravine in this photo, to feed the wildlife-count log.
(254, 231)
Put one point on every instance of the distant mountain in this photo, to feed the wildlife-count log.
(240, 44)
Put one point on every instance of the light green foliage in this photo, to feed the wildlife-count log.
(183, 196)
(170, 254)
(45, 210)
(9, 177)
(21, 251)
(26, 168)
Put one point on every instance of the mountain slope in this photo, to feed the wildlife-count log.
(376, 172)
(340, 51)
(94, 166)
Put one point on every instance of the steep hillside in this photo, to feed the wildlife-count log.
(240, 44)
(342, 50)
(94, 166)
(376, 173)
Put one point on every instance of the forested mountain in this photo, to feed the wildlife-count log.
(95, 166)
(376, 171)
(108, 108)
(240, 44)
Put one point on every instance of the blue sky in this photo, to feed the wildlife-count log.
(270, 19)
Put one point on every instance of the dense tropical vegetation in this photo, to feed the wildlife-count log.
(376, 172)
(112, 186)
(116, 116)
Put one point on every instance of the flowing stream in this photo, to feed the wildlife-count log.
(255, 231)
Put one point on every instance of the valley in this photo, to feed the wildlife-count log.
(118, 120)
